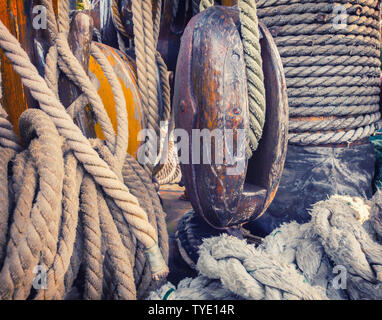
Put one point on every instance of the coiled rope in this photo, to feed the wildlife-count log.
(295, 261)
(61, 173)
(331, 73)
(255, 78)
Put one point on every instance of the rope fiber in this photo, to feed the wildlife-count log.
(73, 212)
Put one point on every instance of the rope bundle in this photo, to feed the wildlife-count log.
(149, 61)
(82, 210)
(331, 73)
(296, 261)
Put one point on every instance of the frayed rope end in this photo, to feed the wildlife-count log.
(158, 266)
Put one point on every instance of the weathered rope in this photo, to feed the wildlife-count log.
(117, 18)
(255, 78)
(334, 124)
(329, 71)
(271, 3)
(336, 137)
(295, 261)
(54, 242)
(333, 110)
(145, 51)
(146, 35)
(81, 147)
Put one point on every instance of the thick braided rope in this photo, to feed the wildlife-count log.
(165, 86)
(255, 78)
(157, 15)
(299, 18)
(66, 244)
(92, 240)
(328, 50)
(334, 124)
(361, 254)
(75, 261)
(118, 256)
(5, 159)
(333, 91)
(116, 15)
(271, 3)
(73, 69)
(134, 215)
(140, 185)
(326, 39)
(122, 139)
(333, 60)
(48, 158)
(171, 169)
(39, 242)
(252, 274)
(145, 52)
(295, 261)
(135, 177)
(63, 16)
(333, 110)
(160, 214)
(170, 173)
(128, 240)
(322, 8)
(329, 71)
(24, 202)
(51, 19)
(322, 29)
(141, 273)
(336, 137)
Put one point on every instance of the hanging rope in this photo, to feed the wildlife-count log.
(255, 78)
(330, 72)
(295, 261)
(52, 181)
(146, 35)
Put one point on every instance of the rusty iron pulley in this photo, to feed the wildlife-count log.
(211, 93)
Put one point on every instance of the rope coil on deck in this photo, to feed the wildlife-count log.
(331, 73)
(295, 262)
(74, 211)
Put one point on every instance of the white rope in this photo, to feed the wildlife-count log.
(295, 261)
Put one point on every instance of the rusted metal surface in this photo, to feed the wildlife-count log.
(211, 93)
